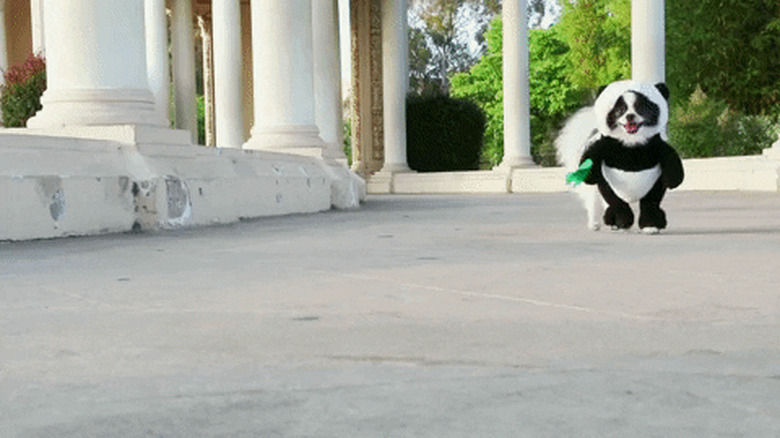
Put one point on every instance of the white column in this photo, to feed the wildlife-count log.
(96, 65)
(157, 64)
(517, 99)
(36, 18)
(228, 112)
(283, 77)
(395, 75)
(648, 41)
(327, 77)
(183, 59)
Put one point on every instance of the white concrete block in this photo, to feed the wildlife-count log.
(54, 186)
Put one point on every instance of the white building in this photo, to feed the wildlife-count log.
(112, 151)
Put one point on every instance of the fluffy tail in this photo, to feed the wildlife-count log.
(578, 132)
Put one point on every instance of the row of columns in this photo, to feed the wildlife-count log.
(107, 71)
(103, 70)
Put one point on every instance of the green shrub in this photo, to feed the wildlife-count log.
(21, 94)
(347, 140)
(201, 101)
(443, 134)
(707, 127)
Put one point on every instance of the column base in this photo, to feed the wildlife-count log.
(391, 168)
(292, 139)
(384, 180)
(509, 163)
(87, 107)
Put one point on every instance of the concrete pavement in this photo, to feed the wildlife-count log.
(440, 316)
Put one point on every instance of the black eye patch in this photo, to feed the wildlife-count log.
(647, 109)
(618, 110)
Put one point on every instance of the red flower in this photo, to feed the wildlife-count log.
(21, 73)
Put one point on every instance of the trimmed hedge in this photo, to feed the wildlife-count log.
(443, 134)
(21, 94)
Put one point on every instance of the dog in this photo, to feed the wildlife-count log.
(624, 136)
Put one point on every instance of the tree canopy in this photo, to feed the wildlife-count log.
(729, 48)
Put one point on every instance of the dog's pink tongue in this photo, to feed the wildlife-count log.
(632, 128)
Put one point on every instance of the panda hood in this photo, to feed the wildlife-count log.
(610, 95)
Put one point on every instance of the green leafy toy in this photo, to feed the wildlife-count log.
(579, 175)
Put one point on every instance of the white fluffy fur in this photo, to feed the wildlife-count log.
(574, 138)
(578, 133)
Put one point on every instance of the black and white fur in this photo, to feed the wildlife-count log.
(624, 133)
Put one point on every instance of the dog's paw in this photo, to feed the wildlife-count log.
(594, 225)
(650, 230)
(620, 217)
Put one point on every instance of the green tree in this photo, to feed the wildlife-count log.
(729, 48)
(598, 34)
(553, 95)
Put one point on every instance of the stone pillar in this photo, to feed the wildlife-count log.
(183, 58)
(648, 41)
(228, 108)
(96, 65)
(157, 64)
(284, 78)
(36, 19)
(366, 105)
(208, 81)
(517, 100)
(327, 78)
(395, 72)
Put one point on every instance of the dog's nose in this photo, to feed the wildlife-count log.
(630, 118)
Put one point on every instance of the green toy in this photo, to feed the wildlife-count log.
(579, 175)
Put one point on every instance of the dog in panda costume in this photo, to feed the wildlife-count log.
(620, 145)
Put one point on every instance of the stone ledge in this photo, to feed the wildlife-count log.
(749, 173)
(54, 186)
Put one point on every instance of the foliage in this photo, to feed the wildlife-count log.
(553, 96)
(729, 48)
(347, 140)
(598, 33)
(707, 127)
(21, 94)
(483, 86)
(730, 53)
(201, 101)
(443, 134)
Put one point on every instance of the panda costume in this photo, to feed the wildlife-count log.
(623, 138)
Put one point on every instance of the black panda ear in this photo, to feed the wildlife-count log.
(663, 89)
